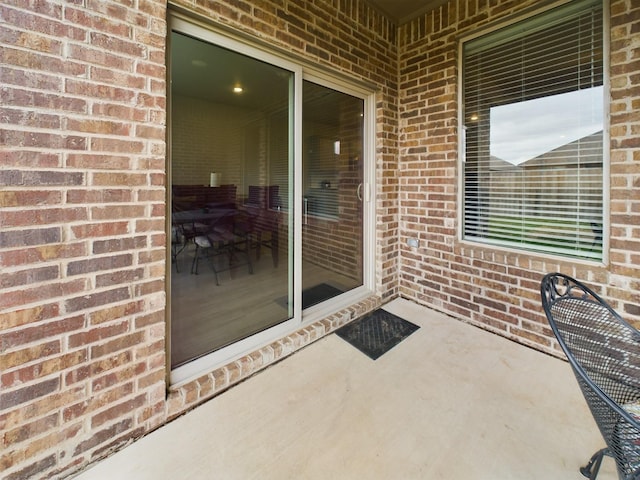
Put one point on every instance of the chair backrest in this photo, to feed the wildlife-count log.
(604, 353)
(188, 197)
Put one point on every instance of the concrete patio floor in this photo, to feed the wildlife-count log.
(450, 402)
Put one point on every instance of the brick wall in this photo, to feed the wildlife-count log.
(496, 288)
(82, 239)
(82, 214)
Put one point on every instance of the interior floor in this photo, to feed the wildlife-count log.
(449, 402)
(207, 316)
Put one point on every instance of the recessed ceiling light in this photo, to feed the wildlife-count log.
(237, 89)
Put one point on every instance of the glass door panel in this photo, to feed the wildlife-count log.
(332, 184)
(231, 202)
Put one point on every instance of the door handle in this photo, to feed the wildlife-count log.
(305, 210)
(363, 187)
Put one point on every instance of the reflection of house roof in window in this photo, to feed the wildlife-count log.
(586, 151)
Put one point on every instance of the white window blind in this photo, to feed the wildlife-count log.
(533, 140)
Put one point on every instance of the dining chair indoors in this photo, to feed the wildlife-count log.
(227, 235)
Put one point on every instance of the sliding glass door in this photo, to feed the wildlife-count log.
(332, 166)
(266, 195)
(231, 154)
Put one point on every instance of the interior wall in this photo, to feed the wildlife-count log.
(207, 137)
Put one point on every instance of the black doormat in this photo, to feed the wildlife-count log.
(313, 295)
(376, 333)
(318, 293)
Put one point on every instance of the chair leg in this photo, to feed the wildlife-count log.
(591, 469)
(175, 252)
(274, 247)
(247, 251)
(196, 258)
(236, 247)
(174, 257)
(194, 264)
(215, 271)
(258, 245)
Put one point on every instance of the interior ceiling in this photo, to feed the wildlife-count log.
(401, 11)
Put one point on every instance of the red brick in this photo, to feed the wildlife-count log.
(112, 362)
(25, 256)
(22, 317)
(97, 401)
(154, 318)
(12, 398)
(40, 178)
(40, 407)
(147, 413)
(45, 63)
(41, 216)
(97, 264)
(97, 334)
(104, 127)
(119, 111)
(100, 196)
(115, 312)
(120, 179)
(33, 469)
(27, 159)
(117, 211)
(118, 77)
(33, 139)
(116, 442)
(84, 18)
(119, 277)
(42, 331)
(8, 360)
(29, 237)
(113, 44)
(42, 444)
(118, 411)
(31, 429)
(31, 41)
(117, 344)
(93, 56)
(103, 436)
(15, 116)
(48, 22)
(90, 370)
(96, 299)
(10, 299)
(16, 198)
(93, 230)
(121, 376)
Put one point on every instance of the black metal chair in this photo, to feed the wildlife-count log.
(604, 353)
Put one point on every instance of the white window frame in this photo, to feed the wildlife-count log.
(511, 20)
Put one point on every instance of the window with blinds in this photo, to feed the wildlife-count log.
(533, 133)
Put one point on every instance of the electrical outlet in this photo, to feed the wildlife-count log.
(413, 242)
